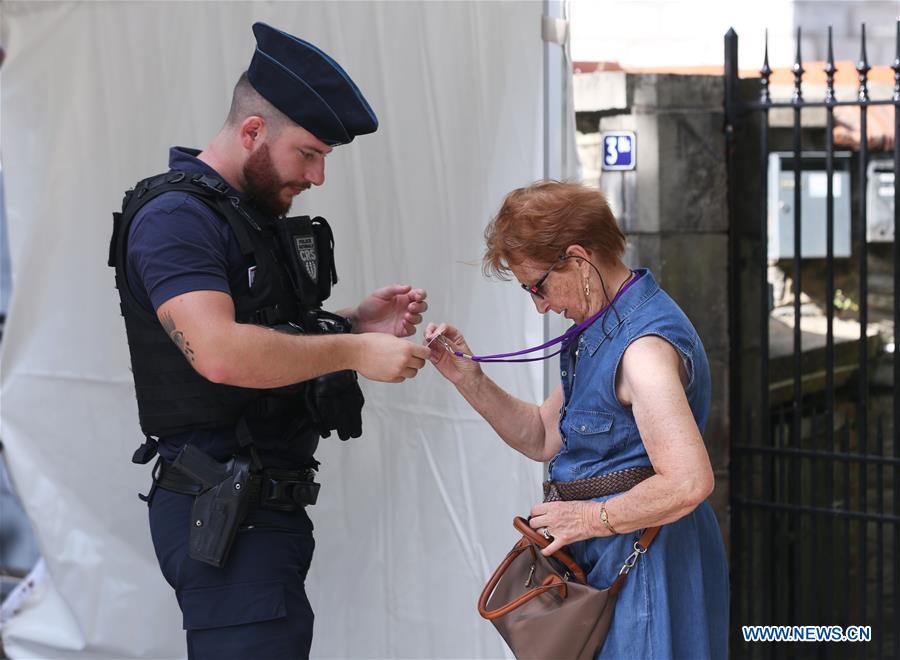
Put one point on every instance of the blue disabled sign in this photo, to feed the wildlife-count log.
(619, 150)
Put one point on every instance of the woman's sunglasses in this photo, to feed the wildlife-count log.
(536, 289)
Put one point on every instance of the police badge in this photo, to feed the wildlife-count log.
(305, 247)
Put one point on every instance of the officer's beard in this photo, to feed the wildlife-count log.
(263, 185)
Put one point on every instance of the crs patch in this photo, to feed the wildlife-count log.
(306, 252)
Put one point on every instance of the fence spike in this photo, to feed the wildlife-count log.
(798, 71)
(863, 68)
(764, 74)
(830, 70)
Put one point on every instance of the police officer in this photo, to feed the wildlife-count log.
(238, 370)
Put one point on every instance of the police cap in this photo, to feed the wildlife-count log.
(309, 87)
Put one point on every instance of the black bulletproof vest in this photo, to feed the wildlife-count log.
(172, 397)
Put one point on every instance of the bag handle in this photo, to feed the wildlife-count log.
(549, 583)
(538, 539)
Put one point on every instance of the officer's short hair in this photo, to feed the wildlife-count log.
(247, 102)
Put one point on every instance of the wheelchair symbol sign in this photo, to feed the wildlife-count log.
(619, 150)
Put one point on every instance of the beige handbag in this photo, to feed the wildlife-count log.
(543, 606)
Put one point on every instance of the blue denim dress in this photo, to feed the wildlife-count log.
(674, 603)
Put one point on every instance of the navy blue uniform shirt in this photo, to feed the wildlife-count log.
(177, 244)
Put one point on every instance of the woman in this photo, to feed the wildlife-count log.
(633, 400)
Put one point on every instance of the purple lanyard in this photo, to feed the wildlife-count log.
(564, 339)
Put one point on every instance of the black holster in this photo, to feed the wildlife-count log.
(220, 508)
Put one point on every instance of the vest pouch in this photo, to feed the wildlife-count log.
(335, 401)
(325, 248)
(114, 239)
(302, 256)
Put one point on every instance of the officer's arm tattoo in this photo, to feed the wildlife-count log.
(177, 336)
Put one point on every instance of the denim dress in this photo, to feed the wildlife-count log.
(674, 603)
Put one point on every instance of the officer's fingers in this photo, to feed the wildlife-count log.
(437, 352)
(417, 307)
(409, 372)
(416, 363)
(420, 351)
(419, 294)
(388, 292)
(414, 319)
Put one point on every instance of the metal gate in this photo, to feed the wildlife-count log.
(815, 453)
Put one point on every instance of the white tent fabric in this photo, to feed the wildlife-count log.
(413, 515)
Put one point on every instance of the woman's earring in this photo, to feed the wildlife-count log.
(587, 288)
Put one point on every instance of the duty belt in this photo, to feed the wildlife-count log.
(279, 490)
(600, 486)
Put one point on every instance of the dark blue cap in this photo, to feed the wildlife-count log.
(309, 87)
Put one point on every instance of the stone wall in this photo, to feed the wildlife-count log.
(672, 208)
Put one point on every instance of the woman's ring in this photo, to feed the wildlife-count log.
(546, 532)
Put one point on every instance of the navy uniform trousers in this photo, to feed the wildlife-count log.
(253, 607)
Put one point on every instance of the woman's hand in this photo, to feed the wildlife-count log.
(567, 522)
(457, 370)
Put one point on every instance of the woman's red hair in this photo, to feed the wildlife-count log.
(540, 221)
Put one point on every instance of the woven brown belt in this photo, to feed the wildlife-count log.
(587, 489)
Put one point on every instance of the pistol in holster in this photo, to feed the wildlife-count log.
(221, 506)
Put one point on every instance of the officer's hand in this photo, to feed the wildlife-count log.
(396, 309)
(459, 371)
(389, 359)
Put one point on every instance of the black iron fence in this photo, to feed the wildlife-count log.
(815, 469)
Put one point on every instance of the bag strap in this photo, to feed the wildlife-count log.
(640, 547)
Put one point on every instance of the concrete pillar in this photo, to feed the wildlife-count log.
(673, 210)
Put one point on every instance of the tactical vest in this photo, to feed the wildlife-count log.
(172, 397)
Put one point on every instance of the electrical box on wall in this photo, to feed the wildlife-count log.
(880, 201)
(813, 205)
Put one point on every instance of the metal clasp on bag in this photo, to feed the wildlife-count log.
(632, 558)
